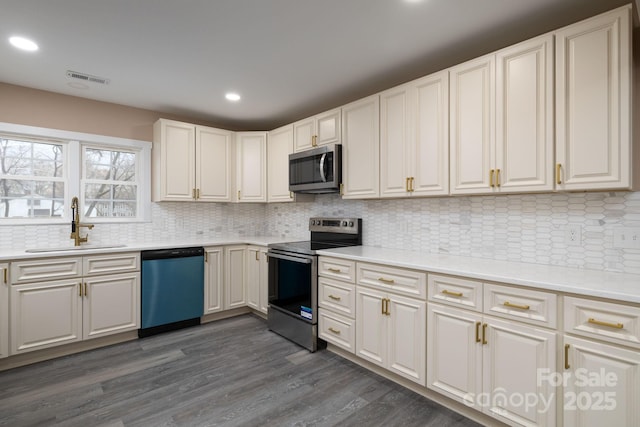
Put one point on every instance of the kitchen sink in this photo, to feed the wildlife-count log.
(74, 248)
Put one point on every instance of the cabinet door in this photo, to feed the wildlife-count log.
(361, 148)
(371, 326)
(214, 170)
(303, 133)
(593, 99)
(328, 129)
(472, 125)
(252, 166)
(214, 280)
(454, 353)
(111, 304)
(264, 281)
(395, 146)
(45, 315)
(4, 310)
(429, 156)
(524, 116)
(602, 386)
(279, 146)
(514, 357)
(253, 277)
(235, 293)
(407, 339)
(174, 160)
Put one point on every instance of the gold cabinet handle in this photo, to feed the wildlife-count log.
(5, 273)
(341, 189)
(335, 331)
(334, 270)
(520, 306)
(335, 298)
(452, 293)
(238, 194)
(603, 323)
(206, 257)
(558, 176)
(478, 331)
(86, 289)
(491, 172)
(484, 334)
(80, 289)
(197, 193)
(382, 308)
(566, 356)
(291, 194)
(383, 280)
(193, 193)
(314, 141)
(387, 312)
(412, 187)
(497, 177)
(406, 184)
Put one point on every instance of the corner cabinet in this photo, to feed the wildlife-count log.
(279, 146)
(251, 166)
(318, 130)
(4, 310)
(191, 163)
(593, 103)
(235, 276)
(214, 279)
(257, 278)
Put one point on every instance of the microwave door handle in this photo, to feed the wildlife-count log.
(290, 258)
(323, 175)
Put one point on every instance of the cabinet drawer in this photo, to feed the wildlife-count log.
(401, 281)
(455, 291)
(337, 296)
(607, 321)
(337, 269)
(45, 269)
(524, 305)
(111, 263)
(336, 329)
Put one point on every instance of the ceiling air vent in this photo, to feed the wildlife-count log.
(87, 77)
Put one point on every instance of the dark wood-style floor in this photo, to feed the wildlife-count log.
(232, 372)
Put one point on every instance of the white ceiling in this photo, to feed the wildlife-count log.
(287, 58)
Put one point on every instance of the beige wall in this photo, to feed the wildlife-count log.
(33, 107)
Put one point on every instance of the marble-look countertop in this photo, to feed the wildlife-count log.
(603, 284)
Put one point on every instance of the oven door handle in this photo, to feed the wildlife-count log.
(323, 175)
(289, 258)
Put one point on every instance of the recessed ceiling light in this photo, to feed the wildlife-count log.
(24, 44)
(232, 96)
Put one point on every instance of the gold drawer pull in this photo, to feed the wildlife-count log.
(602, 323)
(334, 270)
(455, 294)
(335, 298)
(566, 357)
(478, 331)
(383, 280)
(520, 306)
(335, 331)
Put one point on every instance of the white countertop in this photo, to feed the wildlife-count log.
(603, 284)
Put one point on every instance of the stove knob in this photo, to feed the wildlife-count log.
(350, 223)
(344, 223)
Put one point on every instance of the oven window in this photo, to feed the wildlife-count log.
(306, 170)
(289, 285)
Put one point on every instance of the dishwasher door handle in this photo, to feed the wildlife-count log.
(290, 258)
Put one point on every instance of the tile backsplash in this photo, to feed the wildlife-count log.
(529, 228)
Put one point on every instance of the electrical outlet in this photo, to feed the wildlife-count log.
(573, 235)
(626, 237)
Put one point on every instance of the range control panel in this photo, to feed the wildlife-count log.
(335, 225)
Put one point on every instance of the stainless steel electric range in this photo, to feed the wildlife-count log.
(293, 278)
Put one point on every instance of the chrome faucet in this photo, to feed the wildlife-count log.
(76, 224)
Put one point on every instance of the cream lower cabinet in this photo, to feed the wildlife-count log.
(4, 311)
(214, 279)
(235, 274)
(257, 278)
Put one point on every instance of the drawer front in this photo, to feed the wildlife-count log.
(335, 268)
(455, 291)
(524, 305)
(337, 296)
(111, 263)
(45, 269)
(337, 330)
(398, 280)
(607, 321)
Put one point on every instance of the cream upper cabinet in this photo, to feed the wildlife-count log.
(251, 166)
(414, 138)
(324, 128)
(4, 310)
(191, 163)
(214, 280)
(279, 146)
(593, 103)
(361, 148)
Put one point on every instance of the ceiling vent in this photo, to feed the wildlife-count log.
(87, 77)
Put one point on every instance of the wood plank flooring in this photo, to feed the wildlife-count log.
(233, 372)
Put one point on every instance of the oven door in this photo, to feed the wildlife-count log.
(293, 285)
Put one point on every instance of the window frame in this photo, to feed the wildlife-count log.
(74, 143)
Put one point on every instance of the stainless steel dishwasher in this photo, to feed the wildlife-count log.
(172, 289)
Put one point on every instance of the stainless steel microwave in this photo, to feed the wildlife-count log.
(318, 170)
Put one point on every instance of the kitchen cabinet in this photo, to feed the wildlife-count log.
(501, 122)
(54, 303)
(593, 103)
(191, 163)
(235, 293)
(279, 146)
(471, 354)
(257, 278)
(214, 279)
(251, 166)
(414, 138)
(318, 130)
(4, 310)
(361, 149)
(337, 302)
